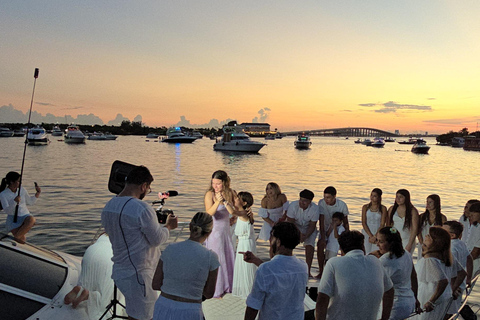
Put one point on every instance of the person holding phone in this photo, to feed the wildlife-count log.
(10, 199)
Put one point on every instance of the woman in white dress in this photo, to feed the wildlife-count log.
(404, 217)
(435, 271)
(374, 217)
(273, 208)
(244, 273)
(398, 265)
(186, 274)
(10, 200)
(431, 217)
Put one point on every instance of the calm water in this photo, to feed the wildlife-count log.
(74, 177)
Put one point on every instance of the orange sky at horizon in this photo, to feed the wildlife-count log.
(411, 67)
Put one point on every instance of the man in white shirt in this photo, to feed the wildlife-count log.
(327, 207)
(305, 215)
(279, 286)
(353, 286)
(135, 234)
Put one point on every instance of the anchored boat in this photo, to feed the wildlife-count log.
(236, 140)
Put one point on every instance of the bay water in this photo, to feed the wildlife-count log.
(74, 178)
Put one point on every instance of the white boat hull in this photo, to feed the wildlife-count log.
(238, 146)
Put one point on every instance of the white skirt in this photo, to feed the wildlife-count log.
(166, 309)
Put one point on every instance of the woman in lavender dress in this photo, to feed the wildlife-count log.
(221, 202)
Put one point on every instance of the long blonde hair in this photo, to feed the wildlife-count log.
(227, 191)
(275, 188)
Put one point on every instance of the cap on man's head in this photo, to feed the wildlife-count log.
(307, 194)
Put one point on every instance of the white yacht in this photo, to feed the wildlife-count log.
(175, 135)
(37, 136)
(34, 281)
(6, 132)
(57, 132)
(74, 135)
(302, 141)
(420, 147)
(195, 134)
(236, 140)
(378, 143)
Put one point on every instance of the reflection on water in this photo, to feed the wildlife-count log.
(74, 177)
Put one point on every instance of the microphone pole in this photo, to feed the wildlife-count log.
(35, 75)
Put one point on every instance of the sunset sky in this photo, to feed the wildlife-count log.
(412, 66)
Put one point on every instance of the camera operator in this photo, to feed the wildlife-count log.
(135, 234)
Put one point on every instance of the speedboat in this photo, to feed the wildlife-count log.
(175, 135)
(35, 280)
(20, 132)
(367, 142)
(195, 134)
(110, 136)
(74, 135)
(5, 133)
(458, 142)
(389, 139)
(97, 136)
(236, 140)
(278, 135)
(37, 136)
(270, 136)
(302, 141)
(420, 147)
(378, 143)
(358, 140)
(57, 132)
(409, 141)
(152, 135)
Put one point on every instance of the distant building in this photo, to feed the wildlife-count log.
(256, 129)
(397, 132)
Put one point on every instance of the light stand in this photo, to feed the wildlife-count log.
(113, 306)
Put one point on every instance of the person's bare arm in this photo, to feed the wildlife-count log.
(387, 303)
(158, 277)
(321, 306)
(413, 230)
(209, 288)
(211, 206)
(250, 314)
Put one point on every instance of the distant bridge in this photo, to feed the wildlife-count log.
(347, 132)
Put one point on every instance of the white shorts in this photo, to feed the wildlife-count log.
(139, 295)
(310, 241)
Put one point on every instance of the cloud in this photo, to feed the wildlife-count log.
(264, 114)
(118, 120)
(393, 107)
(213, 123)
(454, 121)
(45, 104)
(138, 118)
(431, 98)
(346, 110)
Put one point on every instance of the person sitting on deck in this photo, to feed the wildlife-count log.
(10, 199)
(305, 215)
(279, 287)
(353, 285)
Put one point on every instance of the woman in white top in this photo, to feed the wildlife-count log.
(398, 265)
(9, 199)
(404, 217)
(273, 208)
(435, 272)
(431, 217)
(374, 217)
(186, 274)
